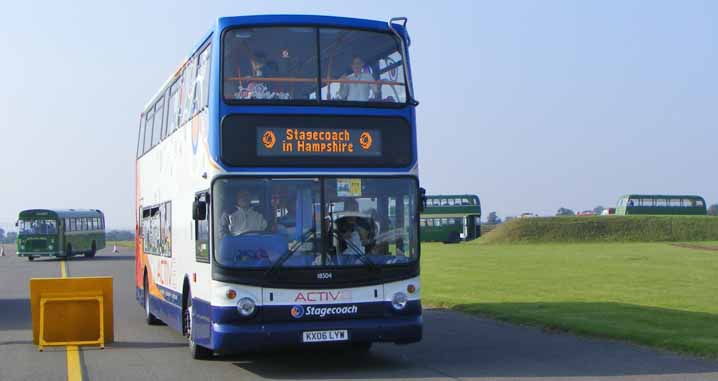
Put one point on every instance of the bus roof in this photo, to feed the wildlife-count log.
(342, 22)
(61, 213)
(627, 196)
(451, 195)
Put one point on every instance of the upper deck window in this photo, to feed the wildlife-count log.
(361, 66)
(308, 65)
(270, 64)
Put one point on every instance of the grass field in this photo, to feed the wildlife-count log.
(605, 229)
(655, 294)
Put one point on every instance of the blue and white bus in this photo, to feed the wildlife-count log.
(277, 191)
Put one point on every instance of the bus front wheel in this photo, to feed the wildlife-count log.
(197, 351)
(30, 258)
(68, 252)
(92, 251)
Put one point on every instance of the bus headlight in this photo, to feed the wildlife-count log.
(246, 307)
(398, 301)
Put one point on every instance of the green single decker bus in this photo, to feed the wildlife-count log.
(60, 233)
(451, 218)
(661, 205)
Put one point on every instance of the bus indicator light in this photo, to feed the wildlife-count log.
(231, 294)
(411, 288)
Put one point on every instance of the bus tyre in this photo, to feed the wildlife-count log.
(92, 251)
(68, 252)
(30, 258)
(150, 318)
(197, 351)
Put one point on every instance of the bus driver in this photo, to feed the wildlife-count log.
(244, 218)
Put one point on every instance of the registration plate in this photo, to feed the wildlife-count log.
(322, 336)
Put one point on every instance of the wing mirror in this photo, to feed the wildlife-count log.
(199, 210)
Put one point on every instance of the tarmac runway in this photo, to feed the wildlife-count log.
(455, 346)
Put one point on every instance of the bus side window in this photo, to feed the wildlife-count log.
(157, 130)
(201, 96)
(173, 106)
(141, 136)
(149, 118)
(201, 229)
(188, 79)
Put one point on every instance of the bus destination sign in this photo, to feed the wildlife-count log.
(347, 142)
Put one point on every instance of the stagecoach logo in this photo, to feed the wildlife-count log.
(268, 139)
(365, 140)
(297, 312)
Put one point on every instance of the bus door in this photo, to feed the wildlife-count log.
(468, 229)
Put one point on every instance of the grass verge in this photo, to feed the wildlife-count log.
(605, 229)
(648, 293)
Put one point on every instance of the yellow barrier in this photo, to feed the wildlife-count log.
(71, 311)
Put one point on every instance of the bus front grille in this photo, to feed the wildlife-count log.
(33, 245)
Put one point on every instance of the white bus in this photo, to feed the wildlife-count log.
(277, 191)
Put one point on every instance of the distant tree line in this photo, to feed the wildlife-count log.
(120, 235)
(7, 237)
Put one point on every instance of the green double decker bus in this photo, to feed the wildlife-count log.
(451, 218)
(661, 205)
(60, 233)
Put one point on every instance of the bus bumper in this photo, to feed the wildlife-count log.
(38, 254)
(233, 338)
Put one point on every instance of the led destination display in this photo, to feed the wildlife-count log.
(315, 141)
(346, 142)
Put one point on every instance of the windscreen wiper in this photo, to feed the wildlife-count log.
(277, 265)
(360, 254)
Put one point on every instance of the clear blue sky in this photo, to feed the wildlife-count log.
(533, 105)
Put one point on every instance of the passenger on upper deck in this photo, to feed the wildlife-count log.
(243, 219)
(358, 92)
(261, 67)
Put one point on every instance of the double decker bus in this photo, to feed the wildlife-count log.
(60, 233)
(661, 205)
(277, 191)
(451, 218)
